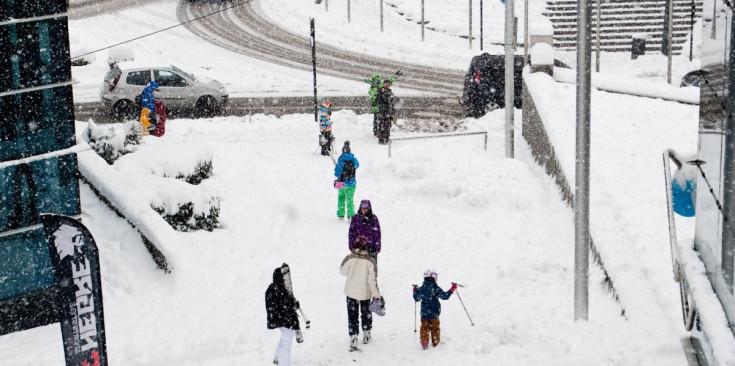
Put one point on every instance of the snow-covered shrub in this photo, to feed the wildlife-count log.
(202, 171)
(79, 49)
(187, 219)
(112, 141)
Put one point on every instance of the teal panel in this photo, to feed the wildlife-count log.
(26, 265)
(44, 186)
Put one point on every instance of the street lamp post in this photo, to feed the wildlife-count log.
(509, 80)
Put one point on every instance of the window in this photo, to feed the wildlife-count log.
(139, 77)
(168, 78)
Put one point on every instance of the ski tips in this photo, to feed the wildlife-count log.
(696, 162)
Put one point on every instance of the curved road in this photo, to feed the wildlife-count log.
(243, 29)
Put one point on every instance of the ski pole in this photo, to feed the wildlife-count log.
(306, 321)
(415, 305)
(462, 302)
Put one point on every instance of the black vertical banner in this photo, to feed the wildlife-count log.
(75, 260)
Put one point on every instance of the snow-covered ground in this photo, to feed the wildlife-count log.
(497, 225)
(401, 39)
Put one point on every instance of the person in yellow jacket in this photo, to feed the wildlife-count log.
(145, 121)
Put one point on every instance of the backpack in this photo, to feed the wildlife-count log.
(348, 172)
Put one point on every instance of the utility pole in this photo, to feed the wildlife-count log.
(470, 35)
(481, 25)
(313, 63)
(422, 20)
(381, 16)
(509, 77)
(599, 28)
(582, 170)
(525, 32)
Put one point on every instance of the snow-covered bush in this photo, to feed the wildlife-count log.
(186, 218)
(202, 171)
(114, 140)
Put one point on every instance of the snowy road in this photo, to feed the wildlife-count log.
(243, 29)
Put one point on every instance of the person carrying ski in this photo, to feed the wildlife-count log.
(376, 82)
(345, 171)
(148, 107)
(281, 306)
(361, 285)
(365, 224)
(325, 126)
(386, 111)
(147, 100)
(429, 294)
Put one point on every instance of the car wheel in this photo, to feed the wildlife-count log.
(206, 107)
(124, 110)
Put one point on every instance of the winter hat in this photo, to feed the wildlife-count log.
(361, 243)
(431, 273)
(326, 103)
(346, 148)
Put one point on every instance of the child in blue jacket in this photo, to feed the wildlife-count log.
(429, 294)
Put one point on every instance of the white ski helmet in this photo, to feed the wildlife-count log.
(431, 273)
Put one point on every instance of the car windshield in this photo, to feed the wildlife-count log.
(112, 74)
(178, 70)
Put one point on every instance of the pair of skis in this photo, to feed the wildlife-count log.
(307, 322)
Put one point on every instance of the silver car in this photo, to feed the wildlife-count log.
(177, 89)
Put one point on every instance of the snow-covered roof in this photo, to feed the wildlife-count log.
(132, 65)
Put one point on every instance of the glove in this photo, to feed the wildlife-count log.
(454, 287)
(296, 305)
(399, 73)
(415, 288)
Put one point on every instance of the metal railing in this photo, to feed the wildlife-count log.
(390, 141)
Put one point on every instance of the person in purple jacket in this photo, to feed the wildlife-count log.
(365, 223)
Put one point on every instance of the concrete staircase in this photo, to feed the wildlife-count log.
(620, 20)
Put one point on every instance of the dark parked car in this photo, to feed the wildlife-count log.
(484, 84)
(693, 78)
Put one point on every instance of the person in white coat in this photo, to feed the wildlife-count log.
(361, 286)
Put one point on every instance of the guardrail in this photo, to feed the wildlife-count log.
(390, 141)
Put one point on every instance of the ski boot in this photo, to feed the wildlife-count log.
(425, 344)
(353, 343)
(275, 360)
(366, 337)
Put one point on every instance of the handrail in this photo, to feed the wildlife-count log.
(390, 141)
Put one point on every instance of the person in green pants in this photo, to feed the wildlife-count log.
(345, 170)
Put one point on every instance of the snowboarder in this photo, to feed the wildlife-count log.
(365, 223)
(345, 171)
(386, 111)
(429, 294)
(281, 306)
(325, 126)
(361, 286)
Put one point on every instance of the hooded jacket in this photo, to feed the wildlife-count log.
(280, 305)
(362, 276)
(365, 225)
(345, 157)
(429, 294)
(146, 98)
